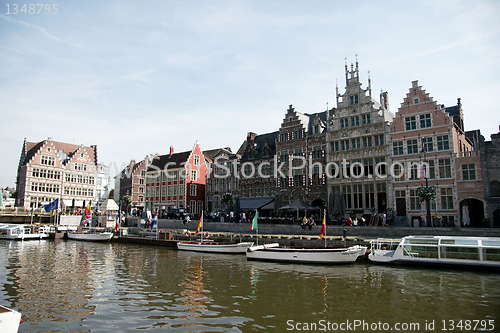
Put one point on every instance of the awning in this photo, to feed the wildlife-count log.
(269, 206)
(252, 204)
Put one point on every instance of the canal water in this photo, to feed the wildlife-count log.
(71, 286)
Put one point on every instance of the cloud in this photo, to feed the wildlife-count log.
(43, 31)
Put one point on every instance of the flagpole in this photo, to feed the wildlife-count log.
(325, 225)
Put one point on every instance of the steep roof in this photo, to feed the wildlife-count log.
(260, 142)
(67, 149)
(175, 161)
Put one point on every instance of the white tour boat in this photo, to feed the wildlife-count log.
(326, 256)
(22, 231)
(213, 247)
(438, 250)
(92, 235)
(9, 320)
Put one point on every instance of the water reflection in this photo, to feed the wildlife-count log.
(82, 287)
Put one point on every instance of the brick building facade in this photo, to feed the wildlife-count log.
(176, 180)
(425, 131)
(50, 170)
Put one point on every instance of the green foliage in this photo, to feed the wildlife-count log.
(228, 200)
(426, 193)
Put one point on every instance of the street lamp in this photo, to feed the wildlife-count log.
(427, 199)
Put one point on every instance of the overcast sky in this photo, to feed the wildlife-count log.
(136, 77)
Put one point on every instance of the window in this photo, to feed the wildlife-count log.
(425, 120)
(411, 123)
(412, 146)
(335, 146)
(468, 171)
(316, 129)
(366, 119)
(196, 160)
(445, 168)
(157, 191)
(414, 172)
(369, 196)
(47, 160)
(181, 190)
(379, 140)
(443, 142)
(356, 143)
(446, 198)
(397, 148)
(355, 121)
(192, 191)
(169, 190)
(381, 168)
(345, 144)
(414, 201)
(284, 156)
(344, 123)
(367, 141)
(297, 152)
(193, 175)
(347, 196)
(358, 196)
(317, 152)
(298, 135)
(427, 144)
(416, 100)
(368, 166)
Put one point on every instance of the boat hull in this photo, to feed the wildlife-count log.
(438, 251)
(9, 320)
(325, 256)
(214, 247)
(91, 237)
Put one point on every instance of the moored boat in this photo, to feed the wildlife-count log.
(326, 256)
(90, 235)
(438, 250)
(213, 247)
(22, 231)
(9, 320)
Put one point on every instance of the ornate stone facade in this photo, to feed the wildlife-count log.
(357, 139)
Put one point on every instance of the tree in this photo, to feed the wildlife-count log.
(426, 194)
(126, 201)
(228, 200)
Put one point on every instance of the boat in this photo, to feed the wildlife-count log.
(90, 234)
(323, 255)
(9, 320)
(23, 231)
(459, 251)
(212, 247)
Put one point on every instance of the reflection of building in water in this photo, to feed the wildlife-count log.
(53, 280)
(193, 293)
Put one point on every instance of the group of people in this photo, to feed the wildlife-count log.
(307, 222)
(355, 221)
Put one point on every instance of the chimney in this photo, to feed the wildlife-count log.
(171, 150)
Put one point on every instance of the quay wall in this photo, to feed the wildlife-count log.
(367, 232)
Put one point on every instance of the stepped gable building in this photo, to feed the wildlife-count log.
(358, 141)
(133, 182)
(300, 149)
(425, 131)
(257, 185)
(50, 170)
(176, 180)
(222, 172)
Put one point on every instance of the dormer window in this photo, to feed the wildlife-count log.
(316, 129)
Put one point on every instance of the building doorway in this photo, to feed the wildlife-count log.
(318, 203)
(382, 202)
(471, 213)
(496, 218)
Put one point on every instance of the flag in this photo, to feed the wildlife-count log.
(323, 227)
(51, 206)
(200, 225)
(254, 221)
(88, 216)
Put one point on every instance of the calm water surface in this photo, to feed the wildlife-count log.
(71, 286)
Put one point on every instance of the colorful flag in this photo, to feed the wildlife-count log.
(51, 206)
(200, 225)
(88, 216)
(154, 222)
(254, 221)
(323, 227)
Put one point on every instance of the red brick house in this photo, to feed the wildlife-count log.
(176, 180)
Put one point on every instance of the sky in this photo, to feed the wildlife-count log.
(136, 77)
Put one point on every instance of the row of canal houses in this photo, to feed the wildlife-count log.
(355, 159)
